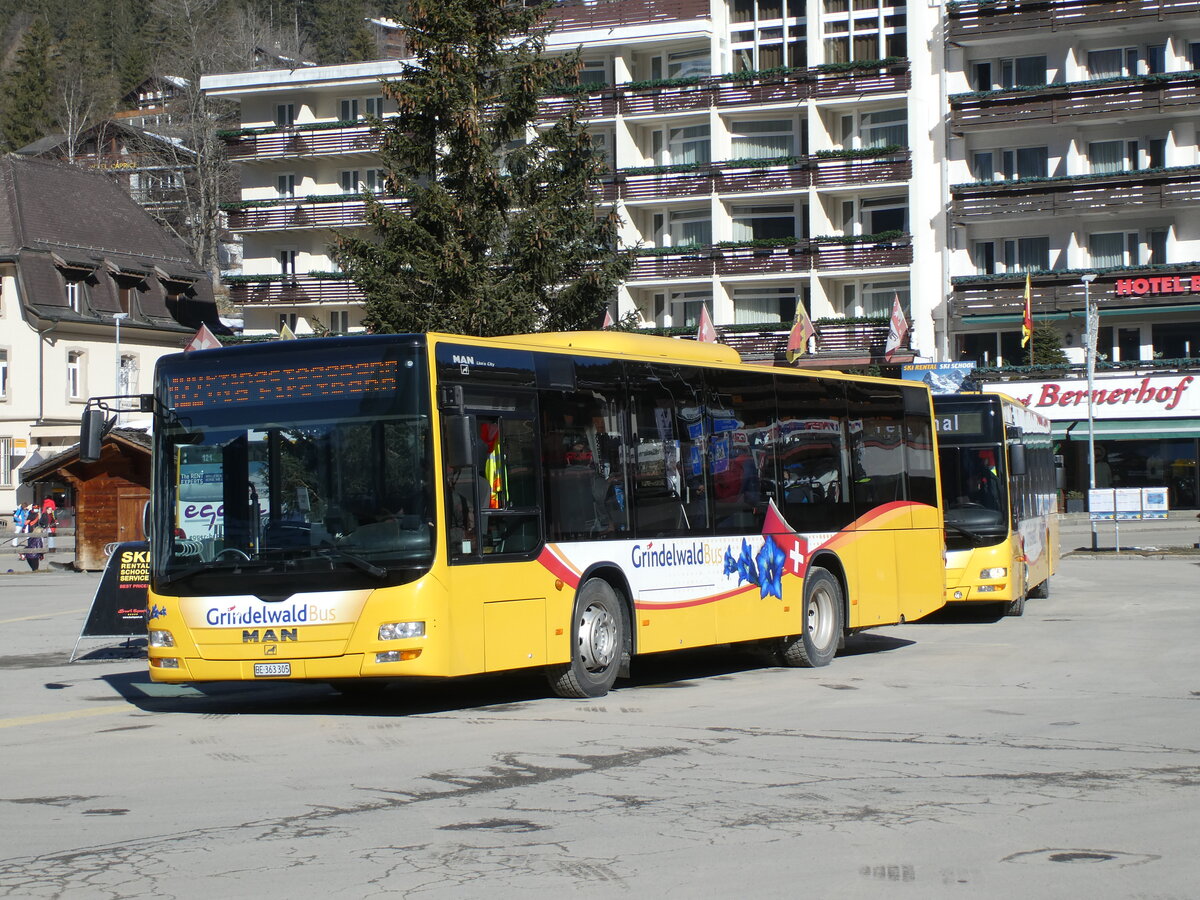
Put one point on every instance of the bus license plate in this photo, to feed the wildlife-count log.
(266, 670)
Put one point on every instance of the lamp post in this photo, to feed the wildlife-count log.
(117, 317)
(1092, 331)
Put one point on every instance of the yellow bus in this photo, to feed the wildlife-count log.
(349, 510)
(997, 463)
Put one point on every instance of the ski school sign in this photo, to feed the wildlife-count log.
(1174, 396)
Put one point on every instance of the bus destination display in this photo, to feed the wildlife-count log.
(285, 383)
(959, 422)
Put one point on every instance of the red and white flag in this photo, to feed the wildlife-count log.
(204, 340)
(608, 319)
(706, 332)
(897, 330)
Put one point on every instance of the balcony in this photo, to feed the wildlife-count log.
(1061, 291)
(821, 255)
(295, 290)
(1150, 95)
(838, 343)
(287, 143)
(1076, 195)
(304, 212)
(571, 14)
(1003, 17)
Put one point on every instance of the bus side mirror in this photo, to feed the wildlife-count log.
(91, 434)
(459, 442)
(1016, 459)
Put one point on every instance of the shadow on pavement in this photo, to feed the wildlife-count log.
(503, 691)
(963, 615)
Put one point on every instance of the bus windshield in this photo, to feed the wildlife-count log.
(976, 502)
(315, 476)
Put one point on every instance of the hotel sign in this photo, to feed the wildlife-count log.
(1174, 396)
(1160, 284)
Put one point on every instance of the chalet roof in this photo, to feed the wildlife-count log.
(56, 217)
(47, 146)
(129, 438)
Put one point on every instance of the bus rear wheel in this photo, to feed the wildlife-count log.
(818, 643)
(597, 641)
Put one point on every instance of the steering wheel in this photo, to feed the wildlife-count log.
(242, 553)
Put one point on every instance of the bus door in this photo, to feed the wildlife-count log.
(493, 531)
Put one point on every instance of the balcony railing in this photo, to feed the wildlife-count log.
(306, 213)
(999, 17)
(803, 256)
(1158, 188)
(569, 14)
(292, 142)
(849, 343)
(300, 289)
(1158, 94)
(1061, 291)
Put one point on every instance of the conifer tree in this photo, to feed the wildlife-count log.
(501, 232)
(28, 90)
(1047, 346)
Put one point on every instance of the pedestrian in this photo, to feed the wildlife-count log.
(34, 518)
(33, 551)
(49, 512)
(20, 517)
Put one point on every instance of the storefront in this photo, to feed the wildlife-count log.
(1146, 423)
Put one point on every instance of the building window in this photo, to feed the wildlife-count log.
(285, 185)
(686, 305)
(127, 376)
(1156, 245)
(1022, 71)
(6, 461)
(689, 63)
(753, 223)
(880, 214)
(691, 227)
(593, 72)
(351, 181)
(348, 110)
(287, 263)
(765, 305)
(75, 374)
(1113, 63)
(1027, 162)
(762, 139)
(288, 320)
(1156, 153)
(764, 35)
(1105, 157)
(983, 168)
(375, 107)
(1156, 59)
(689, 144)
(285, 115)
(991, 348)
(339, 321)
(1107, 250)
(376, 181)
(983, 254)
(3, 374)
(1029, 254)
(74, 294)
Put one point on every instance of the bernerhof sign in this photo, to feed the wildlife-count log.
(1172, 396)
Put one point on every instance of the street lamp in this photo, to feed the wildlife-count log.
(117, 317)
(1092, 332)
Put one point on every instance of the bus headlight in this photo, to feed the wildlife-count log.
(161, 639)
(999, 572)
(395, 631)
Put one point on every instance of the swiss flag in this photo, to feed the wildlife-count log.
(706, 333)
(204, 340)
(794, 546)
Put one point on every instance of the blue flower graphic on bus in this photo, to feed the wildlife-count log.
(770, 569)
(746, 569)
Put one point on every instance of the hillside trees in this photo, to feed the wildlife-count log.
(501, 231)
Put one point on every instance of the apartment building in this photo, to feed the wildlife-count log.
(760, 153)
(1073, 152)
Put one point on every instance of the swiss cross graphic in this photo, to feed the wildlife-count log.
(796, 555)
(204, 340)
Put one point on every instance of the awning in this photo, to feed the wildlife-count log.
(1129, 429)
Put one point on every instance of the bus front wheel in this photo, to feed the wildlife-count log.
(597, 639)
(818, 643)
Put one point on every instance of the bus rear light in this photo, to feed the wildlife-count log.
(161, 639)
(168, 662)
(999, 572)
(395, 631)
(390, 656)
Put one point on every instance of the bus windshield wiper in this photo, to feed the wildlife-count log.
(217, 565)
(968, 533)
(358, 562)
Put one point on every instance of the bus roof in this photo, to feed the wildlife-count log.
(625, 343)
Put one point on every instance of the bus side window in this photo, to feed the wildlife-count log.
(508, 506)
(741, 411)
(814, 480)
(876, 445)
(918, 447)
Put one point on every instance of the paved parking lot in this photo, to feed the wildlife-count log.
(1055, 755)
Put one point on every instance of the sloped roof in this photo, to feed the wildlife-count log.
(54, 215)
